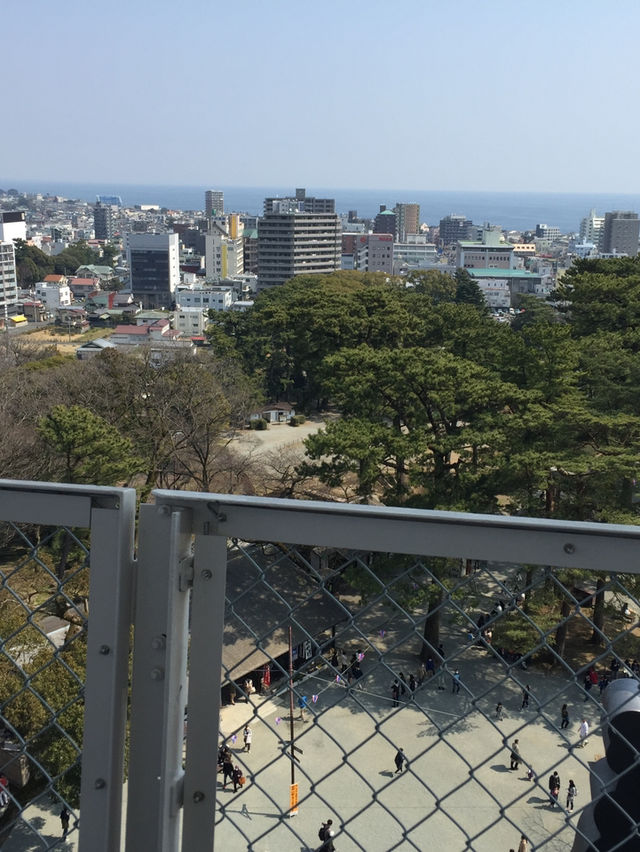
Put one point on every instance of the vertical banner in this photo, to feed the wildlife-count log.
(293, 799)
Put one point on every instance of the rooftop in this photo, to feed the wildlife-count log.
(502, 273)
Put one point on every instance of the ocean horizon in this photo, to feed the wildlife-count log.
(511, 210)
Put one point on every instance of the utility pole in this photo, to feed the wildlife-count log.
(293, 790)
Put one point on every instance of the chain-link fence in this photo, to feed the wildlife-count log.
(439, 679)
(46, 571)
(422, 680)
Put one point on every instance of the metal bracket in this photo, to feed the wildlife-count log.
(185, 575)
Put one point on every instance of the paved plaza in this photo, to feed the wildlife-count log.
(457, 791)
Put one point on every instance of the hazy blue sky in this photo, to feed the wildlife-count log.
(491, 94)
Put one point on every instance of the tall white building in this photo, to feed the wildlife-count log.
(154, 268)
(8, 279)
(224, 249)
(13, 226)
(592, 228)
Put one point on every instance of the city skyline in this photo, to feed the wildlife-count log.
(493, 98)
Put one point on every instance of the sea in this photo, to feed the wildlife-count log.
(510, 210)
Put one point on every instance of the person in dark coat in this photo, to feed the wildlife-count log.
(227, 769)
(399, 760)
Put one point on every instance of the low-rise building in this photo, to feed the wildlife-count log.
(415, 253)
(54, 292)
(518, 281)
(191, 321)
(212, 296)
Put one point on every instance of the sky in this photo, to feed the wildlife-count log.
(449, 95)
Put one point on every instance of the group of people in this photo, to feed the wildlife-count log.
(554, 791)
(229, 771)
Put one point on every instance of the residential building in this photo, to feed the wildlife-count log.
(93, 270)
(548, 232)
(206, 297)
(620, 233)
(13, 226)
(367, 252)
(494, 281)
(224, 249)
(213, 203)
(8, 279)
(486, 253)
(385, 222)
(93, 347)
(301, 203)
(191, 321)
(407, 220)
(455, 227)
(250, 250)
(53, 292)
(103, 221)
(296, 244)
(154, 268)
(591, 228)
(83, 287)
(415, 253)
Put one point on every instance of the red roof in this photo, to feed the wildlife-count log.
(140, 330)
(54, 279)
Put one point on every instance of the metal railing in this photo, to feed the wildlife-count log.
(448, 635)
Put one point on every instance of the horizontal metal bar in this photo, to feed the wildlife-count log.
(567, 544)
(55, 504)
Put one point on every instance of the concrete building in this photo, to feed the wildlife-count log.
(154, 268)
(8, 279)
(415, 253)
(620, 233)
(301, 203)
(591, 228)
(53, 292)
(224, 249)
(385, 222)
(547, 232)
(486, 253)
(367, 252)
(297, 244)
(407, 220)
(13, 226)
(454, 227)
(493, 282)
(250, 250)
(214, 297)
(213, 203)
(103, 221)
(191, 322)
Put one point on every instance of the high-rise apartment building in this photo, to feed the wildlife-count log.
(301, 203)
(224, 249)
(620, 233)
(454, 228)
(13, 226)
(8, 279)
(103, 221)
(297, 244)
(591, 229)
(385, 222)
(154, 268)
(214, 203)
(407, 220)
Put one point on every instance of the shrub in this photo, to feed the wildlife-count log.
(297, 420)
(259, 424)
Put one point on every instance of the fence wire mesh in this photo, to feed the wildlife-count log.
(433, 701)
(44, 576)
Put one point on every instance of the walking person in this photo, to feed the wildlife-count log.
(564, 715)
(247, 735)
(326, 835)
(227, 768)
(524, 844)
(4, 790)
(65, 815)
(584, 733)
(515, 757)
(237, 775)
(395, 692)
(499, 711)
(455, 683)
(413, 684)
(572, 792)
(399, 760)
(554, 788)
(302, 704)
(430, 668)
(526, 692)
(403, 685)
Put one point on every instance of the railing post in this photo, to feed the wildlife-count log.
(110, 602)
(159, 694)
(205, 670)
